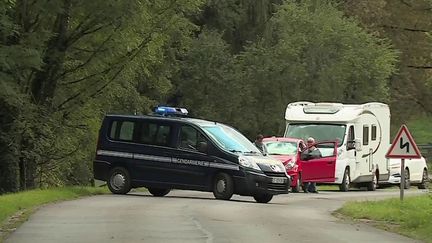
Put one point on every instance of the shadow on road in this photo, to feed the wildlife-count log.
(134, 194)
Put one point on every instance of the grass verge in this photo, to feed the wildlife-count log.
(411, 218)
(15, 208)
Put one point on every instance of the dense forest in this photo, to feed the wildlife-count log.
(65, 64)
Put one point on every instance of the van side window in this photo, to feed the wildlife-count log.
(126, 131)
(122, 130)
(113, 130)
(190, 138)
(154, 134)
(365, 135)
(374, 132)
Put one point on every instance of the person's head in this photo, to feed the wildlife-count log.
(310, 141)
(259, 138)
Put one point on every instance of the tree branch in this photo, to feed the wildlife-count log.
(411, 6)
(406, 29)
(419, 67)
(91, 56)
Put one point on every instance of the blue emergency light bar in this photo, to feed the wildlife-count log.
(170, 111)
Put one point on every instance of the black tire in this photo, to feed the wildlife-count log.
(407, 183)
(263, 198)
(298, 186)
(344, 187)
(423, 184)
(158, 192)
(119, 181)
(372, 186)
(223, 186)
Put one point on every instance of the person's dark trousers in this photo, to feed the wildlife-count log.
(311, 187)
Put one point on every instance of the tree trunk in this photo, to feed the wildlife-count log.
(45, 81)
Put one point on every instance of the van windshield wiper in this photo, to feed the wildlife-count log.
(250, 152)
(235, 151)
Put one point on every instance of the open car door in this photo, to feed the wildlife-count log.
(319, 166)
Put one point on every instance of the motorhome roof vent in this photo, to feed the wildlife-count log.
(322, 108)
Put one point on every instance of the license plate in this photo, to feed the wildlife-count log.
(279, 180)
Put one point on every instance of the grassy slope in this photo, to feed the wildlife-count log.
(412, 217)
(22, 204)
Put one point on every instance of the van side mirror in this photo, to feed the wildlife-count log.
(351, 145)
(354, 144)
(203, 147)
(358, 145)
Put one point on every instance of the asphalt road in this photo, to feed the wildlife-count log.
(188, 216)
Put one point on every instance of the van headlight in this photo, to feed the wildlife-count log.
(248, 163)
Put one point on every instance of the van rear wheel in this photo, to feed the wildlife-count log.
(263, 198)
(158, 192)
(372, 186)
(424, 180)
(407, 183)
(119, 181)
(223, 186)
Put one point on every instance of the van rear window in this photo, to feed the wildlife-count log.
(122, 130)
(140, 132)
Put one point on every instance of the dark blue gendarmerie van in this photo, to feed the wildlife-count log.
(163, 153)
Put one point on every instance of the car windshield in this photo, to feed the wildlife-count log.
(320, 132)
(281, 147)
(230, 139)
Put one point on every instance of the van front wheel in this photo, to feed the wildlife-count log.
(223, 186)
(119, 181)
(158, 192)
(263, 198)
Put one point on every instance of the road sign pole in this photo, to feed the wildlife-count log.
(402, 182)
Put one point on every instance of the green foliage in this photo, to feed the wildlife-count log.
(206, 82)
(420, 129)
(57, 58)
(410, 217)
(312, 52)
(65, 64)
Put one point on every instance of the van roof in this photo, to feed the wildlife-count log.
(199, 122)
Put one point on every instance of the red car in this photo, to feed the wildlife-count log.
(286, 150)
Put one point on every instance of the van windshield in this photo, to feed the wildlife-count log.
(230, 139)
(319, 131)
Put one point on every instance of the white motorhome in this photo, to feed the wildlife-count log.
(362, 132)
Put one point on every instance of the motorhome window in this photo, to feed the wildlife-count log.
(230, 139)
(154, 134)
(319, 131)
(126, 131)
(374, 133)
(351, 135)
(365, 135)
(281, 147)
(190, 138)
